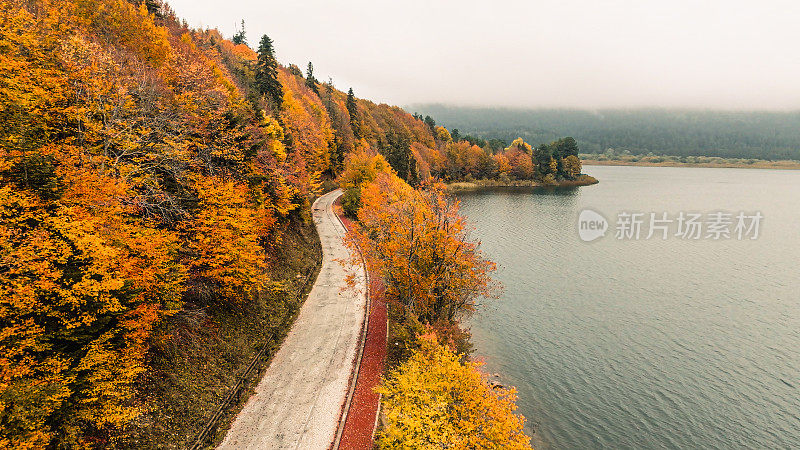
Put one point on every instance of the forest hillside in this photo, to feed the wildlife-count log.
(155, 185)
(728, 134)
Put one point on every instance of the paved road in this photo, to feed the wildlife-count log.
(297, 404)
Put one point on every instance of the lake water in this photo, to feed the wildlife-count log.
(646, 343)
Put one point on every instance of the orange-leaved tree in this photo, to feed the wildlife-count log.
(418, 243)
(361, 168)
(226, 255)
(83, 278)
(307, 122)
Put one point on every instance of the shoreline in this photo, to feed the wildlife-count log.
(771, 165)
(460, 186)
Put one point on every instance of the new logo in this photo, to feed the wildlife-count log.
(591, 225)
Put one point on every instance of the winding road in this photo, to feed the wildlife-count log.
(299, 401)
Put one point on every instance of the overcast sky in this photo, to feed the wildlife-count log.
(729, 54)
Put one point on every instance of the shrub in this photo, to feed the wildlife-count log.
(351, 202)
(328, 185)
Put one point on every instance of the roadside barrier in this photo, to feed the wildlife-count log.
(235, 394)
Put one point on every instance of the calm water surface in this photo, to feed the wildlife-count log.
(648, 343)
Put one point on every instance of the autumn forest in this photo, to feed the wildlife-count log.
(152, 178)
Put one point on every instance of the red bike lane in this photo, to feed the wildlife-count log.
(362, 413)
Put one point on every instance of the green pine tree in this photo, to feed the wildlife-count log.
(352, 109)
(240, 37)
(154, 7)
(431, 124)
(336, 147)
(267, 73)
(396, 149)
(311, 82)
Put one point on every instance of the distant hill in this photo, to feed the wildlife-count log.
(762, 135)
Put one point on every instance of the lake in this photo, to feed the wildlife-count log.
(646, 343)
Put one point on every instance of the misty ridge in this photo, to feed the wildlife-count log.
(729, 134)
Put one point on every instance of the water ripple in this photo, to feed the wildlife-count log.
(647, 344)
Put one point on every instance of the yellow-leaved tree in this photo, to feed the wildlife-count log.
(572, 167)
(433, 401)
